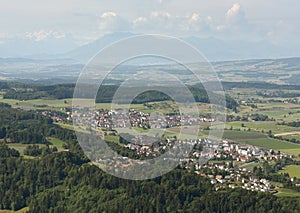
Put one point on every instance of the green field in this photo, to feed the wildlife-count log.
(265, 126)
(261, 140)
(241, 136)
(21, 147)
(282, 192)
(112, 138)
(273, 144)
(250, 166)
(37, 103)
(292, 170)
(56, 142)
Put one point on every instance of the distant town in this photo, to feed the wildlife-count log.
(221, 162)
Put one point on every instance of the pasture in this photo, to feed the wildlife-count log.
(292, 170)
(20, 147)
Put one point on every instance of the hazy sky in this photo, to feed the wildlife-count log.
(84, 20)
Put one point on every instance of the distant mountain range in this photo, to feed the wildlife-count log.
(212, 48)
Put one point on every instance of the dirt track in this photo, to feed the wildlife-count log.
(287, 133)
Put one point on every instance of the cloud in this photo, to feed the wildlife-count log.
(111, 21)
(165, 22)
(139, 21)
(236, 25)
(43, 34)
(235, 15)
(197, 23)
(282, 32)
(234, 10)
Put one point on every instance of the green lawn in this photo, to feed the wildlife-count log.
(292, 170)
(250, 166)
(272, 144)
(282, 192)
(56, 142)
(265, 126)
(242, 135)
(112, 138)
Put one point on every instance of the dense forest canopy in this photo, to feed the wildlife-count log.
(105, 93)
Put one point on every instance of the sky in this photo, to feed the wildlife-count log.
(82, 21)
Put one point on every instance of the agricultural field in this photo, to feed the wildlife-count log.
(262, 126)
(286, 147)
(241, 136)
(283, 192)
(39, 103)
(292, 170)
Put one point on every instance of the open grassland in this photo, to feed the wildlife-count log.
(20, 147)
(275, 145)
(112, 138)
(292, 170)
(242, 135)
(250, 166)
(56, 142)
(39, 103)
(263, 126)
(282, 192)
(261, 140)
(66, 126)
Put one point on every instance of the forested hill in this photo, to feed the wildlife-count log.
(62, 182)
(67, 182)
(22, 91)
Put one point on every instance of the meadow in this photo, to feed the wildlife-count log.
(283, 192)
(293, 170)
(21, 147)
(56, 142)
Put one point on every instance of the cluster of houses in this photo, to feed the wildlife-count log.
(110, 119)
(58, 116)
(231, 176)
(239, 152)
(235, 178)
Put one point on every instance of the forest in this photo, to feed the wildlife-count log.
(22, 91)
(64, 182)
(68, 182)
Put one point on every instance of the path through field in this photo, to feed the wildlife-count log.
(287, 133)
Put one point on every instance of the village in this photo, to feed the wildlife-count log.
(110, 119)
(220, 162)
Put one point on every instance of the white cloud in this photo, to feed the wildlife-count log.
(43, 34)
(235, 15)
(234, 10)
(108, 15)
(139, 21)
(158, 14)
(165, 22)
(111, 21)
(189, 17)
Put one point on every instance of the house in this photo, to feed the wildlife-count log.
(213, 182)
(221, 181)
(219, 176)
